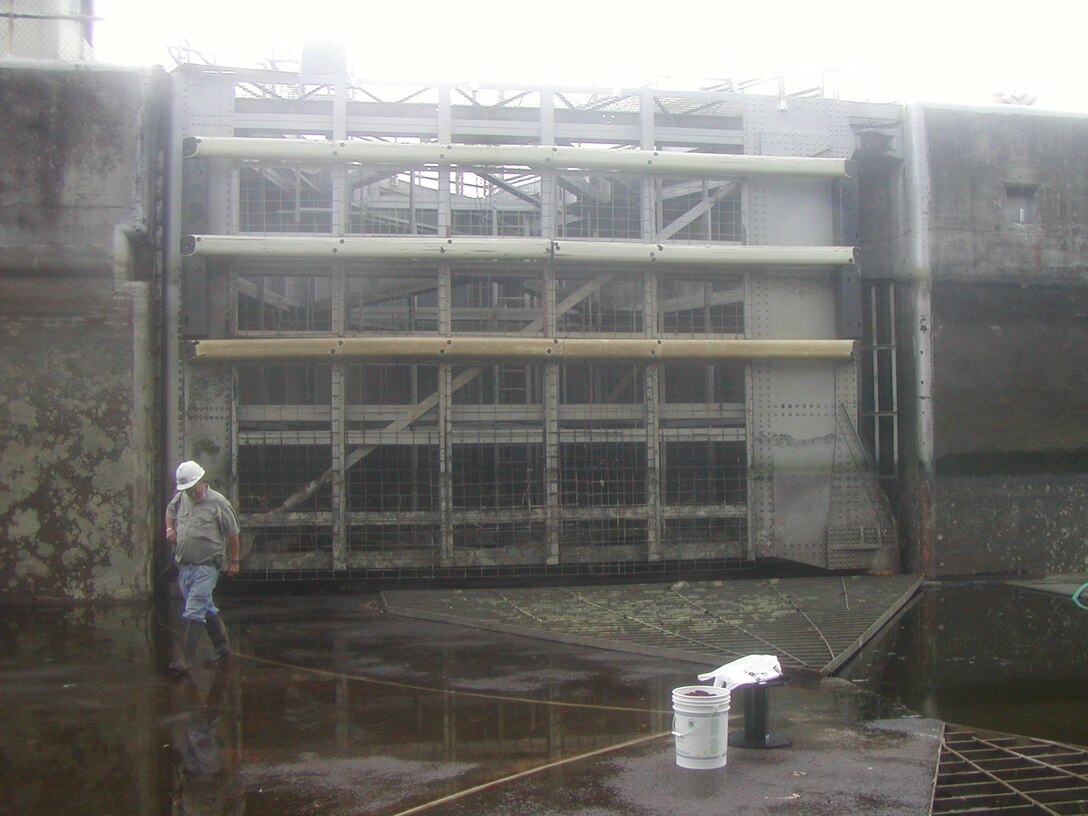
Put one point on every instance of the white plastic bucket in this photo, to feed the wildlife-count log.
(700, 724)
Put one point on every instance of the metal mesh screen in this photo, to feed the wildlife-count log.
(391, 299)
(599, 206)
(495, 303)
(495, 203)
(600, 304)
(277, 303)
(700, 306)
(284, 199)
(268, 473)
(392, 202)
(392, 484)
(698, 210)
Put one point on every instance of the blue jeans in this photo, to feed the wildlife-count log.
(197, 582)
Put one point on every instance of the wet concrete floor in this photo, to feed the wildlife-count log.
(335, 707)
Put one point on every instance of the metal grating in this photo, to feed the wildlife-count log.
(988, 773)
(813, 625)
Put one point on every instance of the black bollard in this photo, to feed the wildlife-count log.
(757, 717)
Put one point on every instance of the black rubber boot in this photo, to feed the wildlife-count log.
(189, 634)
(217, 633)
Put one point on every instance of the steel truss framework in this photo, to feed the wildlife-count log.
(513, 222)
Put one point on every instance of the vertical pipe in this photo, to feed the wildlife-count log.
(874, 338)
(894, 377)
(918, 259)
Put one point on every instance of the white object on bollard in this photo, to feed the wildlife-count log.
(750, 669)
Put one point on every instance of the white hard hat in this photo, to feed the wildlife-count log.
(188, 474)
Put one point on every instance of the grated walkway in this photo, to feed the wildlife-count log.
(813, 625)
(984, 772)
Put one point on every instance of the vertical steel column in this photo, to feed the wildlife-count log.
(652, 380)
(445, 136)
(551, 427)
(547, 177)
(173, 374)
(548, 198)
(445, 307)
(445, 395)
(232, 331)
(757, 410)
(338, 392)
(339, 434)
(646, 125)
(757, 407)
(655, 455)
(445, 456)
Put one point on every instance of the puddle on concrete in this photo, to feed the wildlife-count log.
(339, 708)
(987, 656)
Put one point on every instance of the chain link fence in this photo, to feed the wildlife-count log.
(47, 29)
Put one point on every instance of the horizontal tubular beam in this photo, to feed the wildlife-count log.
(533, 349)
(586, 252)
(534, 157)
(408, 248)
(405, 248)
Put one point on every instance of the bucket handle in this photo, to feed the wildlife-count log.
(676, 733)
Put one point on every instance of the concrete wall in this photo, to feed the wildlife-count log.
(991, 260)
(79, 151)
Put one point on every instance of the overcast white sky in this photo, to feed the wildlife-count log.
(951, 51)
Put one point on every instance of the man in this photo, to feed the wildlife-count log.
(202, 527)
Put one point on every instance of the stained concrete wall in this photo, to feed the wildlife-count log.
(79, 186)
(987, 238)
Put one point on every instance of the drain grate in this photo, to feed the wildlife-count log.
(983, 772)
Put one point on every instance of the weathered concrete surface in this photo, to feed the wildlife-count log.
(79, 149)
(983, 164)
(1011, 427)
(1010, 340)
(987, 239)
